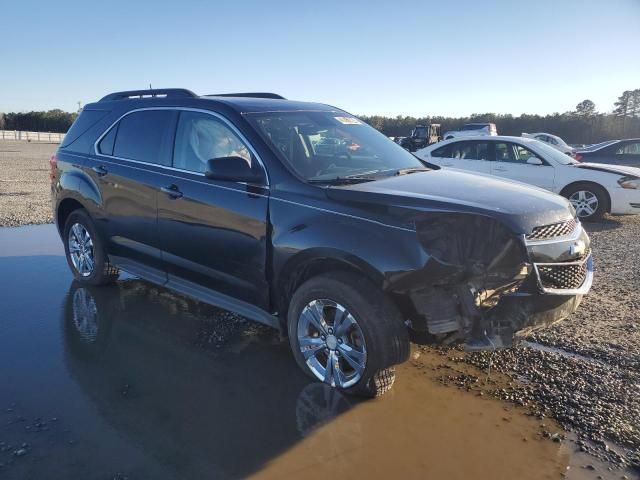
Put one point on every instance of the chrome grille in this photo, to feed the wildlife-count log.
(568, 276)
(554, 230)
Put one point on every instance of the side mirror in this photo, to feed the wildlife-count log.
(232, 169)
(534, 161)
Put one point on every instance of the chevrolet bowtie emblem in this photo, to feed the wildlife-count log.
(578, 248)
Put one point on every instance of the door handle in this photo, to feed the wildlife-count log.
(100, 170)
(172, 191)
(447, 164)
(500, 169)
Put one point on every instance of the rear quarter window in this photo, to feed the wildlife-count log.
(86, 120)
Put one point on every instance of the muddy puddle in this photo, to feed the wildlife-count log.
(132, 381)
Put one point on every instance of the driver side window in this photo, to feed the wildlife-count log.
(201, 137)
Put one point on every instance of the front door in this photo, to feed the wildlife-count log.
(511, 161)
(213, 233)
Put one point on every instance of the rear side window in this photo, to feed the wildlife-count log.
(629, 149)
(142, 136)
(86, 120)
(474, 126)
(106, 144)
(442, 152)
(470, 151)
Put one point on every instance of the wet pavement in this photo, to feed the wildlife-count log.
(132, 381)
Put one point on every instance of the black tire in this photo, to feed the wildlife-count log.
(103, 272)
(385, 334)
(594, 189)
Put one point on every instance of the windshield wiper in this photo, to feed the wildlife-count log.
(341, 180)
(407, 171)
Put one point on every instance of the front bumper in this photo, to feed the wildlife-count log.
(562, 265)
(625, 201)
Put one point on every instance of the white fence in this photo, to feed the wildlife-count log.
(31, 136)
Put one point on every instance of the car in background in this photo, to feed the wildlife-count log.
(553, 140)
(472, 130)
(614, 152)
(593, 189)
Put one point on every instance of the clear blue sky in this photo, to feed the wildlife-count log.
(402, 57)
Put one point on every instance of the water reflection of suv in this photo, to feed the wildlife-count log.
(472, 130)
(227, 200)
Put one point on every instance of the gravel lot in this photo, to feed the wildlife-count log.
(24, 183)
(583, 372)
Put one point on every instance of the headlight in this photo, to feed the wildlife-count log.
(629, 182)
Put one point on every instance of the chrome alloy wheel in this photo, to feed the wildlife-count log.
(81, 249)
(85, 315)
(332, 343)
(585, 203)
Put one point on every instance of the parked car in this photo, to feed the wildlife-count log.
(615, 152)
(472, 130)
(553, 140)
(224, 199)
(593, 189)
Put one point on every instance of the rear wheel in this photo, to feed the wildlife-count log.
(85, 251)
(344, 332)
(589, 200)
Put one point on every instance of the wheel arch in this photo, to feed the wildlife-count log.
(311, 263)
(65, 207)
(577, 183)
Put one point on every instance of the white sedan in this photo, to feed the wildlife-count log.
(553, 140)
(592, 188)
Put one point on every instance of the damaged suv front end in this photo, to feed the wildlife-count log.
(492, 283)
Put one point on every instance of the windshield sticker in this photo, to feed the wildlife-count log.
(348, 120)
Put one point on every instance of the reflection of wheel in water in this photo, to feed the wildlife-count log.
(317, 404)
(85, 315)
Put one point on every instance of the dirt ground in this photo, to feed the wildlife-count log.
(24, 183)
(583, 372)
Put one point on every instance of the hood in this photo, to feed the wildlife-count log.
(616, 169)
(520, 207)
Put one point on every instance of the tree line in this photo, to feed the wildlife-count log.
(583, 125)
(55, 121)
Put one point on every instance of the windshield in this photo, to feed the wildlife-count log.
(327, 146)
(548, 151)
(420, 132)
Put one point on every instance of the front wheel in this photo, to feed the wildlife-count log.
(589, 201)
(346, 333)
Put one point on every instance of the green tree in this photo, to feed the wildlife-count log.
(624, 107)
(586, 108)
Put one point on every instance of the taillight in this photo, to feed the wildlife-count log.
(53, 165)
(577, 157)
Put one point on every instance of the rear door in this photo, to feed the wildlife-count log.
(472, 155)
(628, 154)
(214, 233)
(511, 162)
(129, 169)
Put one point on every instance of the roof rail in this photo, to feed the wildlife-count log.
(249, 94)
(150, 93)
